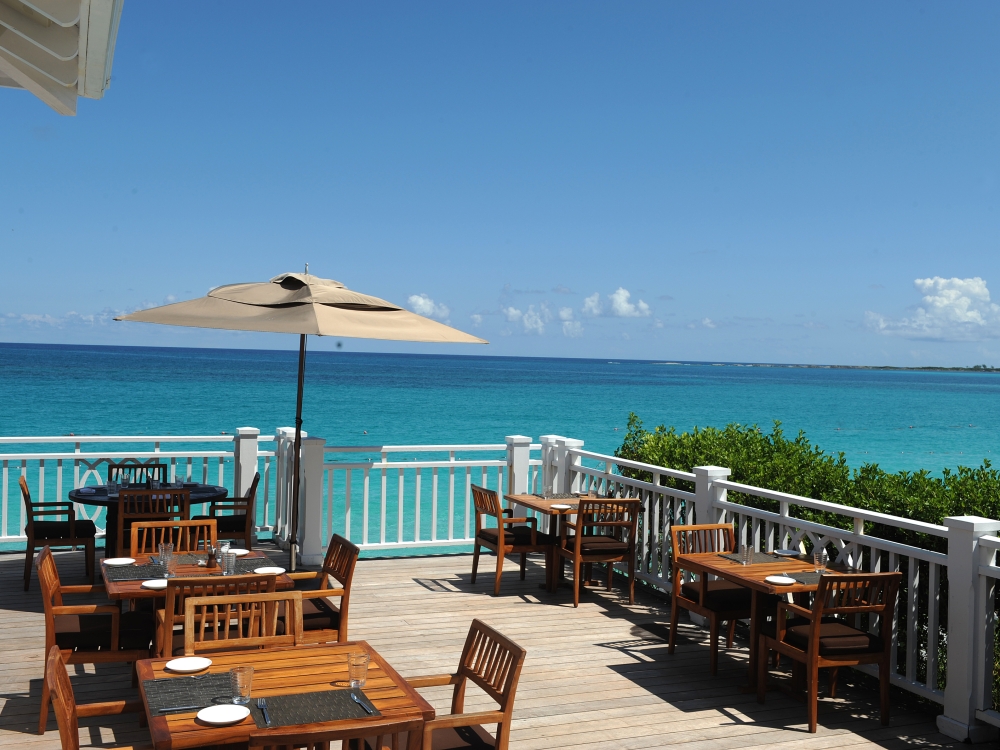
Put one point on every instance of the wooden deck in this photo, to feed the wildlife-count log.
(594, 677)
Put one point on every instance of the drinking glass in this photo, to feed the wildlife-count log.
(746, 554)
(228, 563)
(166, 557)
(357, 668)
(592, 492)
(819, 560)
(112, 489)
(241, 680)
(154, 484)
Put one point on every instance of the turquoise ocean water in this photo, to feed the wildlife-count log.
(898, 419)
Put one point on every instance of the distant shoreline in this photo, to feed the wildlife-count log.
(928, 368)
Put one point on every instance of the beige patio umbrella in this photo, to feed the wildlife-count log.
(303, 304)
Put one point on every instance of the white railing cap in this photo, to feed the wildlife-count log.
(414, 448)
(975, 524)
(118, 439)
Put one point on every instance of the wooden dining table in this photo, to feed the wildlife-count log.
(133, 589)
(753, 577)
(283, 671)
(548, 507)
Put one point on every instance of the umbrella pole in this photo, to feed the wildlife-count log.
(293, 546)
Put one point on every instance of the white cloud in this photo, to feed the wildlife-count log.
(657, 323)
(572, 329)
(477, 319)
(622, 308)
(421, 304)
(565, 313)
(512, 314)
(950, 310)
(592, 304)
(534, 321)
(707, 323)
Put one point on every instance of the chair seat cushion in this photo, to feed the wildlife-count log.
(60, 529)
(93, 632)
(475, 737)
(227, 524)
(320, 614)
(835, 638)
(598, 545)
(519, 536)
(722, 596)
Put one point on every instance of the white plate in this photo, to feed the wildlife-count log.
(224, 713)
(560, 506)
(787, 552)
(269, 571)
(155, 583)
(780, 580)
(239, 552)
(86, 490)
(119, 561)
(188, 664)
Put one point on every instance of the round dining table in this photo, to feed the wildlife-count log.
(200, 493)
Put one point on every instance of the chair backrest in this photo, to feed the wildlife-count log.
(339, 563)
(704, 537)
(487, 503)
(616, 518)
(857, 594)
(133, 472)
(493, 662)
(241, 621)
(388, 733)
(63, 700)
(48, 580)
(30, 517)
(150, 505)
(186, 536)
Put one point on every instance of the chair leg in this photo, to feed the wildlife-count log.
(524, 564)
(611, 572)
(496, 581)
(833, 681)
(90, 560)
(883, 685)
(631, 579)
(762, 669)
(475, 562)
(29, 555)
(577, 583)
(812, 696)
(713, 643)
(43, 716)
(673, 617)
(731, 633)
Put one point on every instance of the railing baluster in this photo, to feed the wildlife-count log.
(329, 503)
(451, 502)
(933, 622)
(382, 518)
(348, 480)
(364, 506)
(434, 504)
(912, 630)
(416, 508)
(399, 508)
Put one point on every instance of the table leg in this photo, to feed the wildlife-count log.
(111, 530)
(756, 617)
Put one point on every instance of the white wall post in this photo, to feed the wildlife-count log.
(550, 461)
(244, 459)
(518, 470)
(706, 493)
(568, 480)
(966, 644)
(312, 545)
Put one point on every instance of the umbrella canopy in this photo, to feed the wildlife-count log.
(304, 304)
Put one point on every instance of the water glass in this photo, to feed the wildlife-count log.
(228, 563)
(241, 680)
(357, 668)
(154, 484)
(746, 554)
(819, 560)
(112, 489)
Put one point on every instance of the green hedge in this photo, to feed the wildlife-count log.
(773, 461)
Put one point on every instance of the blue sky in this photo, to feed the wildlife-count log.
(781, 182)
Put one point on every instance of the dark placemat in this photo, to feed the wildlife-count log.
(306, 708)
(807, 579)
(559, 496)
(244, 565)
(184, 558)
(198, 690)
(758, 557)
(133, 572)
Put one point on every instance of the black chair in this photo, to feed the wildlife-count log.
(68, 533)
(235, 517)
(130, 472)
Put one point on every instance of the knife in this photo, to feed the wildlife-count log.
(356, 699)
(179, 708)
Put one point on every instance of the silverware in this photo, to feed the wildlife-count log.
(262, 705)
(356, 699)
(171, 709)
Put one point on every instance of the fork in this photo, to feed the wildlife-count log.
(262, 705)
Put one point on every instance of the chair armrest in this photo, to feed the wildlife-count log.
(568, 524)
(60, 504)
(800, 611)
(304, 575)
(321, 593)
(531, 521)
(99, 588)
(464, 720)
(108, 708)
(432, 680)
(86, 609)
(508, 511)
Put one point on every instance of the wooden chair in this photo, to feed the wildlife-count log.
(501, 540)
(604, 531)
(149, 505)
(68, 533)
(241, 621)
(186, 536)
(322, 620)
(179, 590)
(717, 601)
(821, 637)
(236, 516)
(68, 712)
(379, 733)
(133, 472)
(87, 633)
(491, 661)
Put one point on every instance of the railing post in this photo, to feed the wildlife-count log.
(549, 461)
(966, 641)
(706, 493)
(568, 480)
(518, 469)
(244, 459)
(312, 546)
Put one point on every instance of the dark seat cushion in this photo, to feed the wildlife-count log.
(722, 596)
(93, 632)
(475, 737)
(598, 545)
(320, 614)
(60, 529)
(227, 524)
(836, 638)
(519, 536)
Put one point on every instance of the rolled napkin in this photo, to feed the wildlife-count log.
(86, 490)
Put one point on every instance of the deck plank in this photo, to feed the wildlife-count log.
(593, 677)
